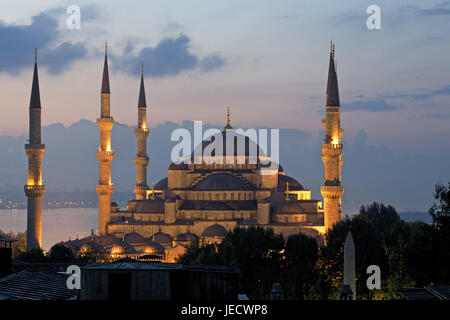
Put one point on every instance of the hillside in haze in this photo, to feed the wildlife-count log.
(370, 173)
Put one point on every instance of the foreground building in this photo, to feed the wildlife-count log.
(201, 200)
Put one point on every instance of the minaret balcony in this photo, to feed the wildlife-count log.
(35, 146)
(105, 156)
(34, 190)
(332, 192)
(141, 161)
(105, 123)
(141, 132)
(105, 189)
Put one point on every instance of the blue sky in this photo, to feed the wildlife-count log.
(266, 59)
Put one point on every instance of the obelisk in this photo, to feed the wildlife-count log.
(349, 263)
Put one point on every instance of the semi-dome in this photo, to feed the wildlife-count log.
(162, 238)
(162, 184)
(222, 181)
(134, 238)
(217, 205)
(294, 185)
(215, 230)
(155, 205)
(296, 207)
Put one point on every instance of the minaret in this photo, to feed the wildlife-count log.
(105, 154)
(332, 189)
(34, 189)
(141, 160)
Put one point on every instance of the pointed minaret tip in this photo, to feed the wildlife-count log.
(142, 103)
(35, 99)
(332, 85)
(228, 125)
(105, 78)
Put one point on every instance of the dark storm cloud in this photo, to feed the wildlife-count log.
(377, 105)
(169, 57)
(19, 41)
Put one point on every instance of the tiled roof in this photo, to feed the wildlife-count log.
(27, 285)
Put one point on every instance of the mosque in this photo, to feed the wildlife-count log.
(200, 200)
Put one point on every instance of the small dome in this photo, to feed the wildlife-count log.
(162, 238)
(215, 230)
(185, 237)
(153, 248)
(107, 240)
(134, 238)
(118, 250)
(294, 185)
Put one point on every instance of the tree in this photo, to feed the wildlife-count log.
(371, 229)
(257, 252)
(59, 252)
(200, 253)
(34, 255)
(299, 271)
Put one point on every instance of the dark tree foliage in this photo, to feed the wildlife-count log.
(60, 253)
(18, 246)
(299, 267)
(34, 255)
(371, 228)
(257, 253)
(200, 253)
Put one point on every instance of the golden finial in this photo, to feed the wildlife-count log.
(35, 54)
(106, 48)
(287, 190)
(142, 69)
(332, 48)
(228, 115)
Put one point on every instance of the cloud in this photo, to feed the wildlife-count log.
(426, 94)
(19, 42)
(377, 105)
(437, 116)
(170, 57)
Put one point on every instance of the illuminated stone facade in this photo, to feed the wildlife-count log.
(203, 201)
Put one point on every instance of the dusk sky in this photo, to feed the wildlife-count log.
(268, 60)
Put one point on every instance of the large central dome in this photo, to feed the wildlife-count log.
(242, 145)
(221, 181)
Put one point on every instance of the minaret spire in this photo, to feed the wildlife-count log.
(35, 99)
(105, 78)
(332, 189)
(141, 160)
(141, 102)
(332, 85)
(34, 189)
